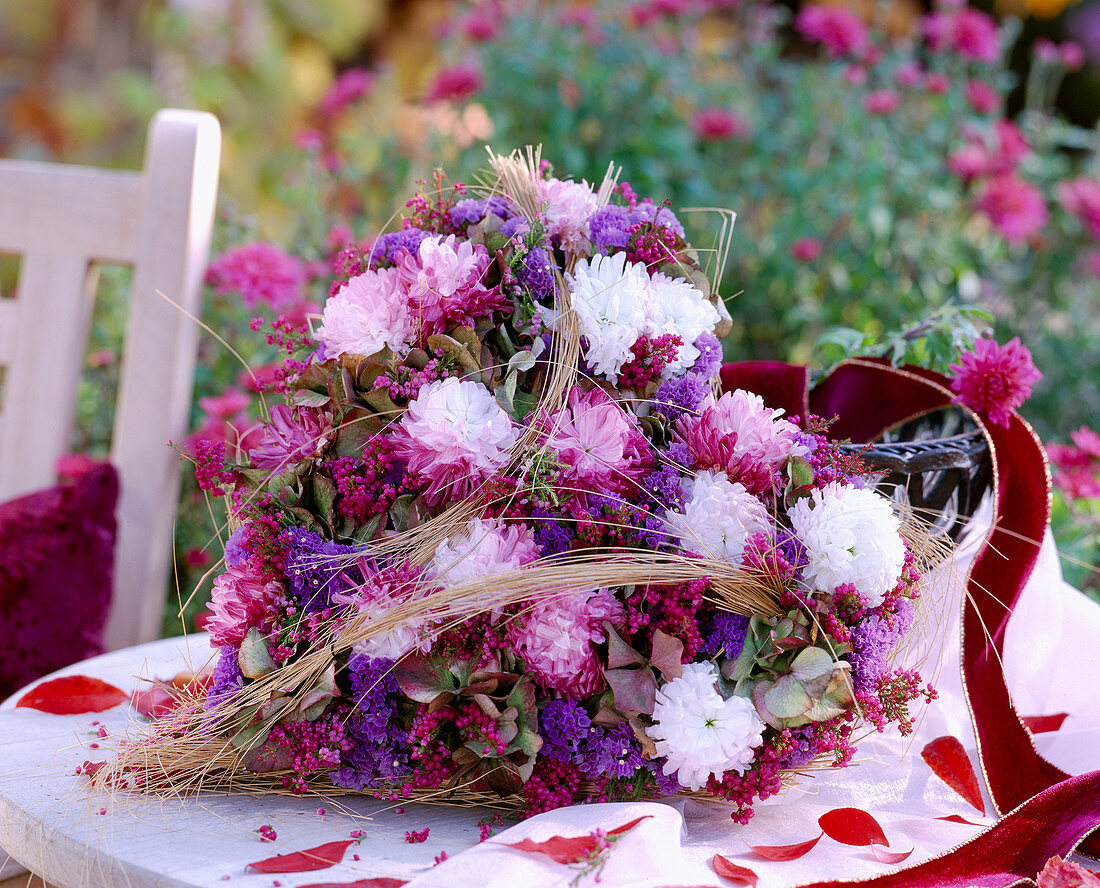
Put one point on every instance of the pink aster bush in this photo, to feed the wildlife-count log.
(995, 379)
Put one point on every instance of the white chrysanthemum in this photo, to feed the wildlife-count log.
(675, 306)
(610, 297)
(368, 313)
(700, 733)
(720, 516)
(851, 535)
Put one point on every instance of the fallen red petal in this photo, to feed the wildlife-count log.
(72, 695)
(740, 875)
(1041, 724)
(572, 849)
(852, 826)
(949, 761)
(379, 882)
(626, 827)
(884, 856)
(321, 857)
(958, 818)
(784, 852)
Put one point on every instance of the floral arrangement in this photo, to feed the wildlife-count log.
(505, 538)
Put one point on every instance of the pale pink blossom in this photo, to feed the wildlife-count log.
(983, 98)
(455, 83)
(806, 249)
(351, 85)
(241, 600)
(908, 74)
(569, 206)
(1016, 208)
(881, 101)
(937, 83)
(717, 124)
(367, 314)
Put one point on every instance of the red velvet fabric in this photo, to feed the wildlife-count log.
(56, 567)
(785, 386)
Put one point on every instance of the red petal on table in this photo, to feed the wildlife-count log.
(321, 857)
(884, 856)
(947, 758)
(784, 852)
(958, 818)
(742, 875)
(379, 882)
(71, 695)
(571, 849)
(852, 826)
(1040, 724)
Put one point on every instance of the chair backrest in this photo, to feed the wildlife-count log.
(59, 219)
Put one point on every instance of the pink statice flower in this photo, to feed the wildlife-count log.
(715, 124)
(741, 436)
(350, 86)
(260, 273)
(454, 436)
(837, 28)
(1081, 198)
(982, 97)
(455, 83)
(569, 206)
(995, 379)
(881, 101)
(969, 33)
(443, 280)
(557, 635)
(367, 314)
(242, 599)
(600, 443)
(293, 434)
(1016, 208)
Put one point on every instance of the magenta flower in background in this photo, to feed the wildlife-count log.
(1017, 209)
(937, 83)
(351, 85)
(260, 273)
(908, 74)
(455, 83)
(806, 249)
(291, 436)
(481, 25)
(717, 124)
(881, 101)
(839, 30)
(1078, 465)
(995, 379)
(1081, 198)
(968, 32)
(983, 98)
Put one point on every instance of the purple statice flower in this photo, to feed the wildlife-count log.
(612, 752)
(667, 784)
(536, 275)
(872, 642)
(727, 633)
(373, 729)
(802, 750)
(609, 228)
(792, 549)
(315, 570)
(236, 547)
(293, 434)
(709, 361)
(470, 211)
(681, 394)
(665, 486)
(227, 678)
(515, 225)
(387, 247)
(564, 726)
(551, 536)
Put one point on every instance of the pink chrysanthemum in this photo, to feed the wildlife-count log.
(382, 590)
(556, 637)
(444, 284)
(569, 206)
(995, 379)
(741, 436)
(260, 273)
(1081, 198)
(454, 436)
(292, 435)
(968, 32)
(368, 313)
(839, 30)
(1016, 208)
(240, 601)
(602, 446)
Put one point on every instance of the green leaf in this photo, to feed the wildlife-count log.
(253, 656)
(324, 496)
(619, 653)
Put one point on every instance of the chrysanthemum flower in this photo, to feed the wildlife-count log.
(260, 273)
(741, 436)
(968, 32)
(600, 443)
(555, 638)
(454, 436)
(1081, 198)
(370, 312)
(1016, 208)
(382, 590)
(850, 535)
(569, 205)
(292, 435)
(675, 306)
(995, 379)
(718, 517)
(240, 600)
(840, 30)
(610, 297)
(700, 733)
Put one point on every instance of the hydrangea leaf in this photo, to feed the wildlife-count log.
(667, 655)
(253, 656)
(786, 698)
(619, 653)
(635, 690)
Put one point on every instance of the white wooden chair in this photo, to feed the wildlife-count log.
(59, 219)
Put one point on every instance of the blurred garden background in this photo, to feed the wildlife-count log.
(904, 175)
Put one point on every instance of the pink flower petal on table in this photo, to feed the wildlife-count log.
(949, 761)
(784, 852)
(884, 856)
(741, 875)
(1040, 724)
(572, 849)
(321, 857)
(72, 695)
(852, 826)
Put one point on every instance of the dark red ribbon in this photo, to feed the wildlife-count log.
(868, 397)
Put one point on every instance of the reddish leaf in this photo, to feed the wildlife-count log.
(742, 875)
(1040, 724)
(321, 857)
(72, 695)
(884, 856)
(947, 758)
(572, 849)
(377, 882)
(852, 826)
(784, 852)
(958, 818)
